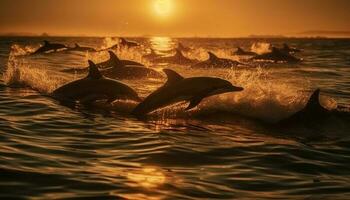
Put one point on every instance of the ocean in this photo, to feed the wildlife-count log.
(228, 147)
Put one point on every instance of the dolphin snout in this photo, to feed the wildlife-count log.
(236, 88)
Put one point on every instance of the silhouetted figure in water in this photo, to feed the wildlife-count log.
(241, 52)
(49, 47)
(276, 55)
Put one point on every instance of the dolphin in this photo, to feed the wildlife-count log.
(288, 49)
(178, 58)
(119, 70)
(314, 115)
(178, 88)
(216, 62)
(128, 44)
(113, 61)
(276, 55)
(241, 52)
(49, 47)
(94, 87)
(77, 47)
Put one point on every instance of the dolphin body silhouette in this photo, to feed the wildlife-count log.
(111, 62)
(77, 47)
(315, 116)
(178, 88)
(94, 87)
(215, 62)
(276, 55)
(178, 58)
(49, 47)
(119, 70)
(241, 52)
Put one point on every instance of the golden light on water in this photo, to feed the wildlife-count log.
(162, 44)
(148, 177)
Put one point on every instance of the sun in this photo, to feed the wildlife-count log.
(163, 7)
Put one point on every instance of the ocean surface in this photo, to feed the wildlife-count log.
(229, 147)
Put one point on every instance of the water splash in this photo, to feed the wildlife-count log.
(260, 47)
(20, 72)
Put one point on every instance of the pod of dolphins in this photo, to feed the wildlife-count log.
(101, 84)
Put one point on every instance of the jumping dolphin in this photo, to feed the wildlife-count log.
(178, 58)
(128, 44)
(276, 55)
(314, 114)
(77, 47)
(288, 49)
(94, 87)
(113, 61)
(49, 47)
(178, 88)
(216, 62)
(241, 52)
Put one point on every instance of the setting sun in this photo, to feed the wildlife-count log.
(162, 7)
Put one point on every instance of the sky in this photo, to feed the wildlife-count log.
(222, 18)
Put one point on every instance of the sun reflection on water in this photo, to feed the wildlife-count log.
(162, 45)
(148, 177)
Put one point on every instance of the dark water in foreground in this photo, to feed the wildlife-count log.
(225, 149)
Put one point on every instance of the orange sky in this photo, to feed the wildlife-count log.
(223, 18)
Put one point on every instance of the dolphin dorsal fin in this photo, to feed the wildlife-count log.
(114, 58)
(46, 42)
(178, 53)
(314, 101)
(94, 73)
(77, 45)
(172, 76)
(212, 56)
